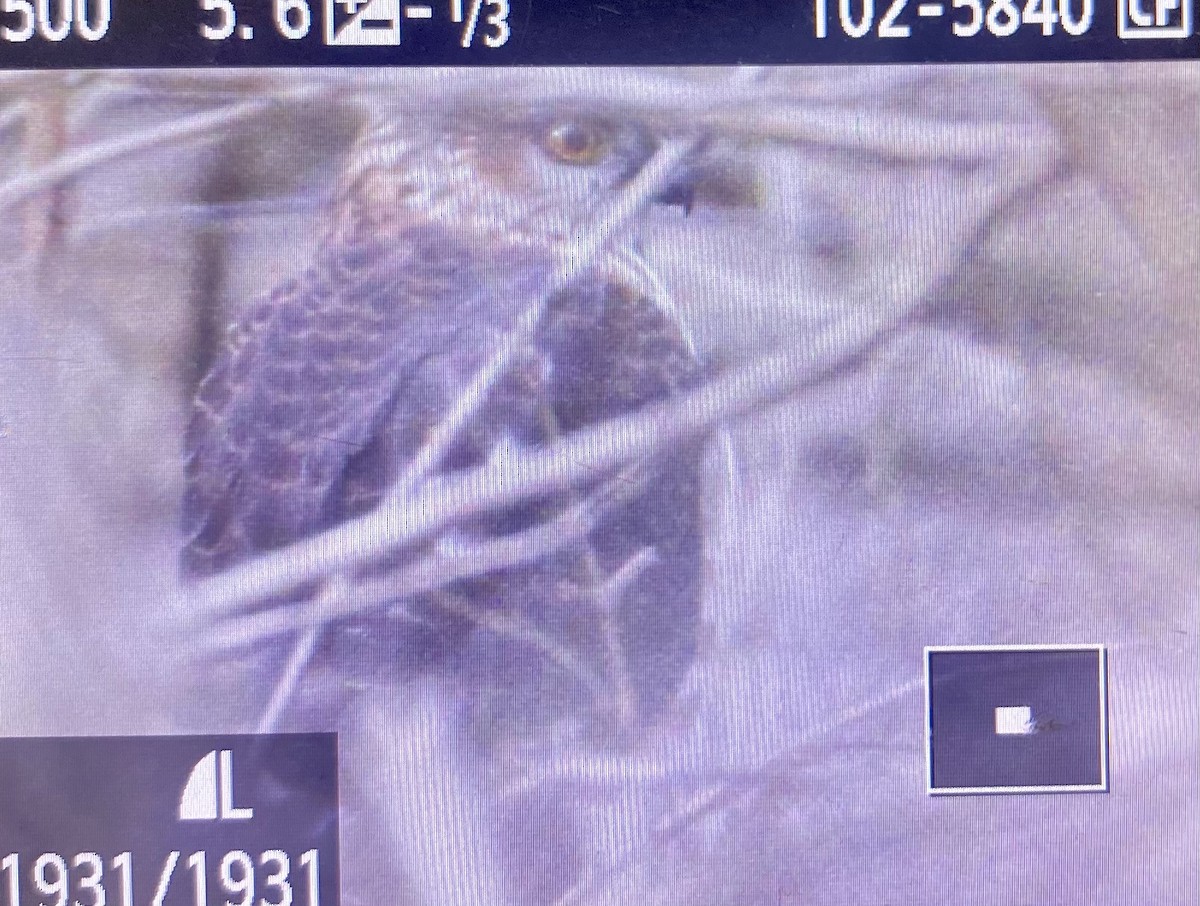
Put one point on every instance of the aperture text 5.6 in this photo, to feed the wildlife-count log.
(234, 878)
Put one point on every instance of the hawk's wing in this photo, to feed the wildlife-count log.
(310, 379)
(329, 390)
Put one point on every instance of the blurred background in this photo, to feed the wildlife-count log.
(1017, 463)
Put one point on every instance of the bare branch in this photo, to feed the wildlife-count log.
(608, 596)
(887, 136)
(787, 111)
(509, 627)
(435, 571)
(292, 672)
(583, 456)
(71, 165)
(613, 590)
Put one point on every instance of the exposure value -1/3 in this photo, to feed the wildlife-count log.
(999, 18)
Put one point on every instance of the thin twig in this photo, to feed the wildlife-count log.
(504, 625)
(608, 597)
(292, 673)
(612, 591)
(725, 794)
(238, 213)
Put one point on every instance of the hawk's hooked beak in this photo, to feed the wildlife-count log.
(720, 182)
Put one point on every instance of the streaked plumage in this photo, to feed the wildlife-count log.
(330, 385)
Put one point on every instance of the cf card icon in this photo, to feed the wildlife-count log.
(362, 23)
(1154, 18)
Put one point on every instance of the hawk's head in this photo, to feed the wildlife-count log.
(528, 178)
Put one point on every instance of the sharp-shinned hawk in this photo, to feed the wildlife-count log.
(440, 237)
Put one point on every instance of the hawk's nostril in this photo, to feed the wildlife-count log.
(679, 193)
(717, 183)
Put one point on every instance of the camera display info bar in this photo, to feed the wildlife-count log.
(198, 33)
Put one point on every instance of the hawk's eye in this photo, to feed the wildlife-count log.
(577, 143)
